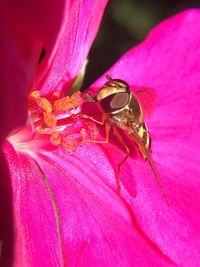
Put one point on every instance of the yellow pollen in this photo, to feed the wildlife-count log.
(49, 119)
(33, 97)
(44, 104)
(56, 95)
(35, 94)
(55, 138)
(54, 110)
(68, 102)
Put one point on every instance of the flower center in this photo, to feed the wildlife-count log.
(54, 120)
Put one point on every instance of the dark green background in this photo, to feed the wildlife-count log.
(126, 23)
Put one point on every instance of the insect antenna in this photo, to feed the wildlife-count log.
(108, 77)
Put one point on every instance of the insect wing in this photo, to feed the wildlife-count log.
(146, 153)
(147, 99)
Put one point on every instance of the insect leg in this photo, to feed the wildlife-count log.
(107, 131)
(102, 122)
(119, 137)
(157, 176)
(84, 116)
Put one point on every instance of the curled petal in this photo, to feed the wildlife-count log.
(78, 31)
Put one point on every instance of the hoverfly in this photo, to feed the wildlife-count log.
(122, 109)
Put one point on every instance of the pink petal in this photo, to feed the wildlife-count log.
(37, 237)
(69, 215)
(6, 215)
(30, 17)
(24, 33)
(168, 61)
(75, 39)
(18, 61)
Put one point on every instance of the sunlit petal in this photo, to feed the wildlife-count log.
(78, 31)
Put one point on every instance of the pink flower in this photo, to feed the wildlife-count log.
(67, 209)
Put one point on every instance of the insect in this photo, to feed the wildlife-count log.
(122, 110)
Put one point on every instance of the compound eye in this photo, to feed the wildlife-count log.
(115, 102)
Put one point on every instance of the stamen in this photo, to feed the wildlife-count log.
(53, 120)
(55, 138)
(44, 104)
(41, 102)
(34, 95)
(68, 102)
(49, 119)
